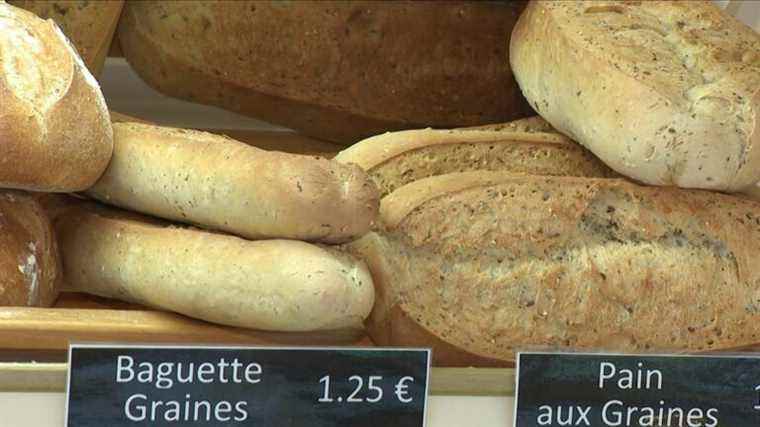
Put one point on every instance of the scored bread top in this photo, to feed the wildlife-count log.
(574, 263)
(397, 158)
(89, 24)
(665, 92)
(53, 118)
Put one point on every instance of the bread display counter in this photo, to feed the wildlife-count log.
(454, 179)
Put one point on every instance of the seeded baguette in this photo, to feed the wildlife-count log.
(275, 285)
(218, 183)
(398, 158)
(531, 262)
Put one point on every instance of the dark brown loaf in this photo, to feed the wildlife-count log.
(55, 130)
(29, 264)
(528, 262)
(335, 70)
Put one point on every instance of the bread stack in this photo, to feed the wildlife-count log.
(56, 136)
(502, 238)
(620, 219)
(255, 248)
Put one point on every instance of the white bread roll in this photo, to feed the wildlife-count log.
(665, 92)
(54, 126)
(275, 285)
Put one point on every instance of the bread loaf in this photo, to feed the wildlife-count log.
(536, 262)
(219, 183)
(395, 159)
(336, 70)
(666, 92)
(29, 264)
(90, 25)
(54, 125)
(278, 285)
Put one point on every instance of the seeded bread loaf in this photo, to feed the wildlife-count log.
(90, 25)
(29, 264)
(336, 70)
(665, 92)
(398, 158)
(532, 262)
(277, 285)
(218, 183)
(54, 126)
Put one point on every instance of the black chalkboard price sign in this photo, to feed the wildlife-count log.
(607, 390)
(222, 386)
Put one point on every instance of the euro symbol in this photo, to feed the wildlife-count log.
(401, 390)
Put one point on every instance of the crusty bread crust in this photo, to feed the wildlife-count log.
(395, 159)
(277, 285)
(29, 264)
(532, 262)
(54, 124)
(90, 25)
(665, 92)
(216, 182)
(334, 70)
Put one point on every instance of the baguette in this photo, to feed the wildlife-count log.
(334, 70)
(395, 159)
(29, 263)
(275, 285)
(54, 126)
(564, 263)
(665, 92)
(219, 183)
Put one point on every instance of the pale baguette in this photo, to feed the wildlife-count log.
(218, 183)
(276, 285)
(528, 262)
(398, 158)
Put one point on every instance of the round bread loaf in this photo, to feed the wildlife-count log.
(54, 125)
(664, 92)
(29, 262)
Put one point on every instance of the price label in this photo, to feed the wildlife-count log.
(212, 386)
(555, 389)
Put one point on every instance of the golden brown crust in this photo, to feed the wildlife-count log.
(351, 70)
(216, 182)
(279, 285)
(567, 263)
(28, 253)
(53, 120)
(666, 92)
(89, 25)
